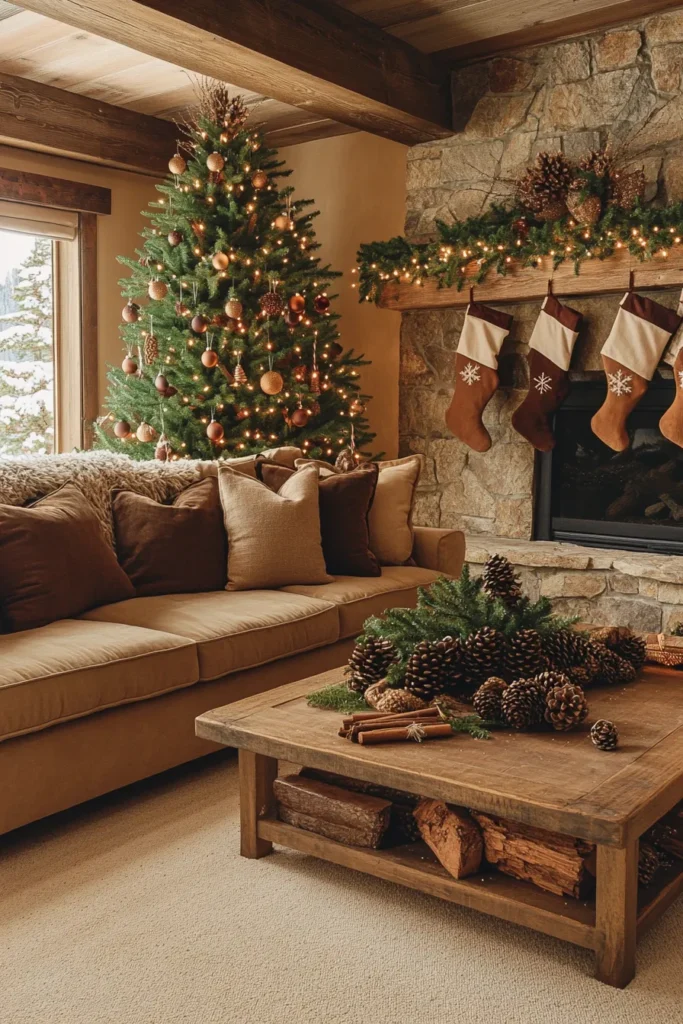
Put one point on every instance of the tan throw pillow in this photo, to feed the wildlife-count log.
(273, 539)
(55, 562)
(391, 516)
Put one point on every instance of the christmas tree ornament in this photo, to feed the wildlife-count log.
(297, 303)
(177, 165)
(272, 303)
(544, 187)
(281, 222)
(163, 450)
(175, 238)
(476, 379)
(209, 358)
(585, 209)
(170, 391)
(214, 431)
(219, 261)
(550, 350)
(215, 162)
(292, 319)
(157, 289)
(369, 662)
(604, 734)
(566, 707)
(129, 365)
(314, 385)
(627, 189)
(145, 433)
(523, 704)
(259, 179)
(151, 349)
(488, 700)
(501, 581)
(239, 375)
(334, 349)
(161, 383)
(300, 416)
(122, 429)
(639, 335)
(430, 668)
(131, 312)
(321, 303)
(199, 323)
(233, 307)
(271, 382)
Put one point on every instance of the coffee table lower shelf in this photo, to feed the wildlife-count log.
(491, 892)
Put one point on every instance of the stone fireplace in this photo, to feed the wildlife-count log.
(621, 87)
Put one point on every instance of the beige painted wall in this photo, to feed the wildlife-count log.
(358, 182)
(117, 234)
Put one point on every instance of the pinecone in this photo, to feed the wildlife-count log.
(547, 681)
(544, 187)
(612, 669)
(500, 580)
(369, 662)
(430, 668)
(597, 162)
(566, 707)
(524, 655)
(585, 209)
(487, 700)
(586, 672)
(604, 734)
(150, 350)
(482, 655)
(397, 701)
(649, 863)
(523, 704)
(624, 642)
(562, 648)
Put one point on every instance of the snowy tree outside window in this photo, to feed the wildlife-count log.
(26, 345)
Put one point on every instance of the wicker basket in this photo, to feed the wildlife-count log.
(664, 650)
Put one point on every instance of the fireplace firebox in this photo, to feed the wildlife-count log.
(588, 494)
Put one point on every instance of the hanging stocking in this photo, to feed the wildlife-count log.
(671, 423)
(550, 351)
(640, 333)
(476, 379)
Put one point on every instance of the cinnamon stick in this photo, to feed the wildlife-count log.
(395, 716)
(403, 734)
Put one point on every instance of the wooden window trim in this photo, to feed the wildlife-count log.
(75, 298)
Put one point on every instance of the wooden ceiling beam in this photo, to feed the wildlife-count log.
(311, 54)
(40, 117)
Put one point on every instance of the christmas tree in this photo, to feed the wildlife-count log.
(26, 357)
(236, 349)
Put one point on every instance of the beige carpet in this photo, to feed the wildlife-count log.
(138, 910)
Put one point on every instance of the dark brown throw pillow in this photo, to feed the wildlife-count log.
(172, 549)
(55, 562)
(345, 500)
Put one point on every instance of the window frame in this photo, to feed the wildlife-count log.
(76, 398)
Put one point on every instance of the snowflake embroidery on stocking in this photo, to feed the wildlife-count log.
(619, 383)
(543, 383)
(680, 378)
(470, 374)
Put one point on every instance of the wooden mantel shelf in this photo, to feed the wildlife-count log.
(524, 283)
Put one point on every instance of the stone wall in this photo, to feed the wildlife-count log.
(622, 87)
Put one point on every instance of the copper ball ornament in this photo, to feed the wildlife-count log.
(321, 303)
(131, 312)
(300, 417)
(174, 238)
(157, 290)
(170, 391)
(259, 179)
(199, 323)
(215, 431)
(281, 222)
(215, 162)
(271, 382)
(129, 365)
(122, 429)
(145, 433)
(219, 261)
(272, 303)
(209, 358)
(233, 308)
(177, 165)
(297, 303)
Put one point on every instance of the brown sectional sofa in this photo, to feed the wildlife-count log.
(91, 704)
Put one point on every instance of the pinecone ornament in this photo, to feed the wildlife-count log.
(482, 655)
(547, 681)
(566, 707)
(151, 349)
(627, 189)
(604, 734)
(500, 580)
(399, 701)
(544, 187)
(488, 700)
(523, 704)
(369, 662)
(585, 209)
(649, 863)
(430, 668)
(524, 655)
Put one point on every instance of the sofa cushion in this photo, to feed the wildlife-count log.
(72, 668)
(233, 631)
(359, 597)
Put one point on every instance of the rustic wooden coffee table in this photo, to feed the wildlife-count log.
(556, 781)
